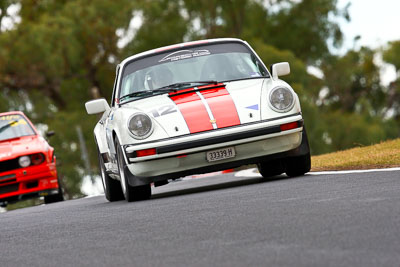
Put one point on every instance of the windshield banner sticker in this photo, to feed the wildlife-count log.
(10, 117)
(183, 54)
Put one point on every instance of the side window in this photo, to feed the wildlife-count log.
(115, 87)
(133, 82)
(126, 85)
(259, 66)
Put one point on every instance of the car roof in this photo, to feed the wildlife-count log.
(12, 113)
(174, 46)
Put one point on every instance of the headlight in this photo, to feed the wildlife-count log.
(37, 158)
(140, 125)
(24, 161)
(281, 99)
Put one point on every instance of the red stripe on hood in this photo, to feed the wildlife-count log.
(222, 106)
(193, 111)
(195, 114)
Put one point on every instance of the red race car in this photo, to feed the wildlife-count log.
(27, 162)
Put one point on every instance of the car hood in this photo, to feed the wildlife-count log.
(13, 148)
(187, 111)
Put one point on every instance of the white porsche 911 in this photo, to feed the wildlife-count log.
(193, 108)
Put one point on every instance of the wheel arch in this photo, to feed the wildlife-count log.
(100, 141)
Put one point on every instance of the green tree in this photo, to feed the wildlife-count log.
(162, 24)
(353, 101)
(392, 55)
(62, 54)
(304, 27)
(353, 82)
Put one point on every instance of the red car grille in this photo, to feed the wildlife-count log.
(8, 181)
(6, 177)
(9, 165)
(8, 188)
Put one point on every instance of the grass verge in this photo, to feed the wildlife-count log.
(383, 155)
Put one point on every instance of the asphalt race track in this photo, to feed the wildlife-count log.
(224, 220)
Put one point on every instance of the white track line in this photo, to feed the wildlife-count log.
(254, 172)
(355, 171)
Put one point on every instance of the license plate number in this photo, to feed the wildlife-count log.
(220, 154)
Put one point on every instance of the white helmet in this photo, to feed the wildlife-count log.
(157, 77)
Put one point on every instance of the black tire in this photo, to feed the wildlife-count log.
(56, 197)
(271, 168)
(131, 193)
(297, 166)
(112, 187)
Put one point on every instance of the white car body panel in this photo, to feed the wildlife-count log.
(246, 95)
(250, 98)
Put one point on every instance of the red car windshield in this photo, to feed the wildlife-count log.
(13, 126)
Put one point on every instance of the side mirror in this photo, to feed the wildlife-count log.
(50, 133)
(96, 106)
(280, 69)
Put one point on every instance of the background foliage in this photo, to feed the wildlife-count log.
(60, 54)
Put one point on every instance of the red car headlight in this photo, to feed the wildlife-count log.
(37, 158)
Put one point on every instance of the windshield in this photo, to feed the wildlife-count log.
(13, 126)
(216, 62)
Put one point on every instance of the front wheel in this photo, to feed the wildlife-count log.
(131, 193)
(112, 187)
(271, 168)
(56, 197)
(297, 166)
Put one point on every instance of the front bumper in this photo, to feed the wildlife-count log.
(28, 182)
(252, 143)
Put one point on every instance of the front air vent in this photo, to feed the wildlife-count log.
(32, 184)
(8, 181)
(8, 188)
(8, 176)
(9, 165)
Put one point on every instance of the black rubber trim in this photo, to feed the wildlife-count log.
(217, 140)
(105, 157)
(222, 139)
(196, 89)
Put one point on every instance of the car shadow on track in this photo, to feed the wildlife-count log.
(247, 181)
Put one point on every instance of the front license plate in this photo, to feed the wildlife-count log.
(220, 154)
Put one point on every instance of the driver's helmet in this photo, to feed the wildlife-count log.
(157, 77)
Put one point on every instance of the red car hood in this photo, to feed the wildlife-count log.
(13, 148)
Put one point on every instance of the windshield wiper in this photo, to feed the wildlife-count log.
(137, 94)
(2, 128)
(182, 85)
(168, 88)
